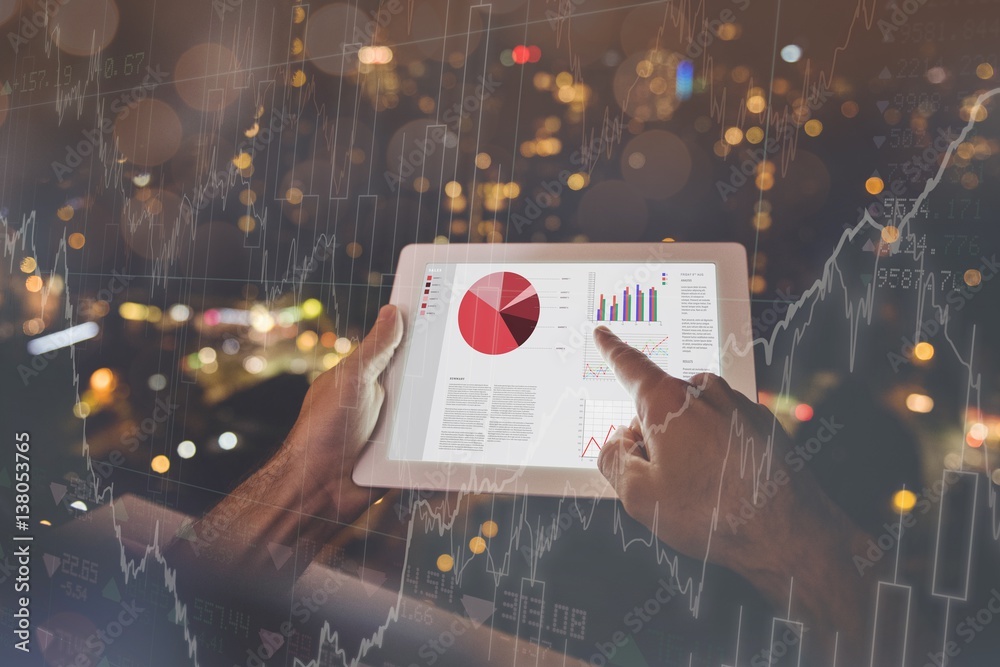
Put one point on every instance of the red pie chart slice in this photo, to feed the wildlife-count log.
(498, 313)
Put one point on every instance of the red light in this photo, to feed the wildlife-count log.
(534, 54)
(803, 412)
(521, 54)
(211, 317)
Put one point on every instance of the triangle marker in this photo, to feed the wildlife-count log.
(372, 580)
(58, 492)
(479, 610)
(111, 591)
(279, 554)
(51, 563)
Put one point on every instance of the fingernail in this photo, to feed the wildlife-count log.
(603, 329)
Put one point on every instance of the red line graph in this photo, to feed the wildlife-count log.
(593, 441)
(594, 368)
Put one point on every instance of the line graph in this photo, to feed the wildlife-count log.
(600, 419)
(654, 346)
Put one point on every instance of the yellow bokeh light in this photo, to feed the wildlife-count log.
(160, 464)
(453, 189)
(919, 403)
(904, 500)
(445, 562)
(81, 410)
(246, 224)
(242, 161)
(874, 185)
(354, 250)
(566, 94)
(755, 135)
(923, 351)
(762, 220)
(76, 240)
(65, 213)
(477, 545)
(294, 196)
(733, 136)
(764, 181)
(102, 380)
(298, 79)
(984, 71)
(973, 277)
(28, 265)
(296, 46)
(33, 284)
(133, 311)
(890, 234)
(576, 182)
(483, 160)
(312, 308)
(813, 128)
(421, 184)
(756, 104)
(306, 341)
(490, 528)
(728, 31)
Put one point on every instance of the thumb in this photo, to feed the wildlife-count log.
(381, 342)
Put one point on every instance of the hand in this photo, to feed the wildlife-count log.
(339, 414)
(705, 455)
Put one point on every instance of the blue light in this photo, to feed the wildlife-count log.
(685, 79)
(791, 53)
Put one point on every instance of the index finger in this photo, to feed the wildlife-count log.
(634, 370)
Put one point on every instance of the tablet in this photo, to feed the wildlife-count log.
(498, 386)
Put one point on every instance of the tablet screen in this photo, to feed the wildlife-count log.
(501, 367)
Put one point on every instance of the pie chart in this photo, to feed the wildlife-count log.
(498, 313)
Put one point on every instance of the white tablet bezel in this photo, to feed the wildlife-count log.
(376, 469)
